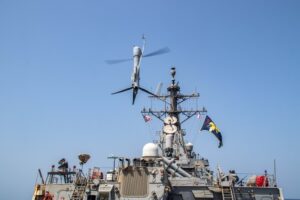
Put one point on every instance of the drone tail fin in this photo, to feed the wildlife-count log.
(134, 92)
(144, 90)
(124, 90)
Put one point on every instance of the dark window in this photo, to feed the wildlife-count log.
(91, 197)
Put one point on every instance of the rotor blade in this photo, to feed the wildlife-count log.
(158, 52)
(122, 90)
(144, 90)
(112, 62)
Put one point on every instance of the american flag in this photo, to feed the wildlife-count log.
(147, 118)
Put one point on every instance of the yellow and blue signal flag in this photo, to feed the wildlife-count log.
(210, 126)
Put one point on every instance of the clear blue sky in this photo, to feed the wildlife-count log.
(242, 56)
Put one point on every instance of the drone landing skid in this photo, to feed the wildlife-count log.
(134, 92)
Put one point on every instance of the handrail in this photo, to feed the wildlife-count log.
(246, 176)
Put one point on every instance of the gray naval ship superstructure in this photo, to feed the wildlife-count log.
(168, 169)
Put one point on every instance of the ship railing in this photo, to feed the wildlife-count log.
(59, 177)
(251, 180)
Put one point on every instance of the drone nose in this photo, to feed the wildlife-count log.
(137, 51)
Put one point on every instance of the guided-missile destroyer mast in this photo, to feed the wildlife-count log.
(168, 169)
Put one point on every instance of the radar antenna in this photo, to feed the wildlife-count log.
(83, 158)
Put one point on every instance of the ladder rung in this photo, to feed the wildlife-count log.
(79, 190)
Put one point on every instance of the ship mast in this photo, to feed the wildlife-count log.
(172, 136)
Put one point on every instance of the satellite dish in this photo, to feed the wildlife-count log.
(170, 120)
(84, 158)
(170, 129)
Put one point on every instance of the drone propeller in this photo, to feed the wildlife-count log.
(158, 52)
(112, 62)
(154, 53)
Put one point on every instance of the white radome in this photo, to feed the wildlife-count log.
(150, 150)
(189, 146)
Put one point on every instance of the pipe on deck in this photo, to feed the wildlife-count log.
(176, 168)
(172, 171)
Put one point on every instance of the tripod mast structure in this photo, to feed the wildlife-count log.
(172, 137)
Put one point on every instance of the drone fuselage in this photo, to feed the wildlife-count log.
(135, 77)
